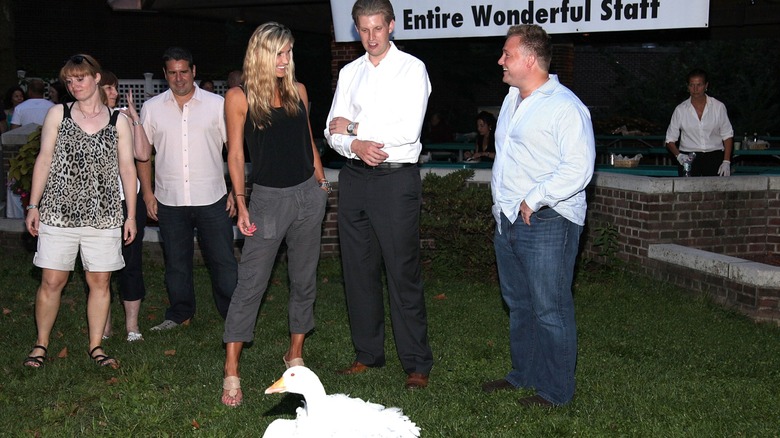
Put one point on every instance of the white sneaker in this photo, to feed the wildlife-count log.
(165, 325)
(134, 336)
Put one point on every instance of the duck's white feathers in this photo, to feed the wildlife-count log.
(335, 415)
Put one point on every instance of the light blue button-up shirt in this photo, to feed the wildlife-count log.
(545, 153)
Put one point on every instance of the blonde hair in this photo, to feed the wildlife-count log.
(534, 40)
(260, 81)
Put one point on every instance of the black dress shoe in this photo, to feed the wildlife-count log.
(497, 385)
(536, 400)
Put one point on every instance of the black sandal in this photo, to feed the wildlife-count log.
(36, 361)
(103, 360)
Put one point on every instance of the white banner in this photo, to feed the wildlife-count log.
(422, 19)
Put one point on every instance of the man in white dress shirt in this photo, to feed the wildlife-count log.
(700, 125)
(375, 122)
(186, 125)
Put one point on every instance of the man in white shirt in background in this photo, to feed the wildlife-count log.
(700, 133)
(186, 126)
(375, 122)
(34, 109)
(545, 154)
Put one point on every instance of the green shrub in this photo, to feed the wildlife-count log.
(20, 167)
(457, 221)
(607, 243)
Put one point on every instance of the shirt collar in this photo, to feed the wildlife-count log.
(392, 52)
(197, 96)
(549, 86)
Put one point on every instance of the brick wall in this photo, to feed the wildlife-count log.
(562, 63)
(737, 216)
(341, 55)
(330, 236)
(756, 302)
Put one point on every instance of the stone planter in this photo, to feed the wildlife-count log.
(13, 206)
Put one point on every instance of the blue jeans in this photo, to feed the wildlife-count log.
(215, 238)
(536, 269)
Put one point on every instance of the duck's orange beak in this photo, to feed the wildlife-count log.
(277, 387)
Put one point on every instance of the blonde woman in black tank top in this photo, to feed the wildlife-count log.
(289, 193)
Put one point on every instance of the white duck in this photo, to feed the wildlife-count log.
(335, 415)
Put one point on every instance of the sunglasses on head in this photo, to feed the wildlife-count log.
(78, 59)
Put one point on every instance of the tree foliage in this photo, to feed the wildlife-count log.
(742, 74)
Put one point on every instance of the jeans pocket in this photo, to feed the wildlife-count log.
(546, 214)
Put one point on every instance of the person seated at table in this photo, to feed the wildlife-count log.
(439, 130)
(485, 149)
(702, 126)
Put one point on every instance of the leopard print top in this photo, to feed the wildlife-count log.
(82, 189)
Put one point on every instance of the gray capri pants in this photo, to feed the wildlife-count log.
(294, 214)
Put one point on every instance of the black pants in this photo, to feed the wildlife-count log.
(705, 164)
(131, 277)
(379, 220)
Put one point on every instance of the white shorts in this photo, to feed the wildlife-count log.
(101, 250)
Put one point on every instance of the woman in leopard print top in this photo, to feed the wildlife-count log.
(75, 204)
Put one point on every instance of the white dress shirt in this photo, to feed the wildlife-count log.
(705, 135)
(388, 101)
(545, 153)
(188, 166)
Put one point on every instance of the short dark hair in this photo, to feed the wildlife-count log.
(36, 88)
(177, 54)
(698, 73)
(363, 8)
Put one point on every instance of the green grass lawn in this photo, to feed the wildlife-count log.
(653, 361)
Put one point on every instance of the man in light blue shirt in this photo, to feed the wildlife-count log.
(545, 153)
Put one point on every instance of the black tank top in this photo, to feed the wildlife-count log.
(281, 153)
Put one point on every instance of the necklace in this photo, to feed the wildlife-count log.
(92, 116)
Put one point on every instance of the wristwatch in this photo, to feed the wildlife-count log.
(351, 128)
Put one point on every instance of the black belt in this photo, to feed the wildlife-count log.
(360, 163)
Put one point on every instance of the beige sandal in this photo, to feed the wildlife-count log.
(233, 396)
(296, 362)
